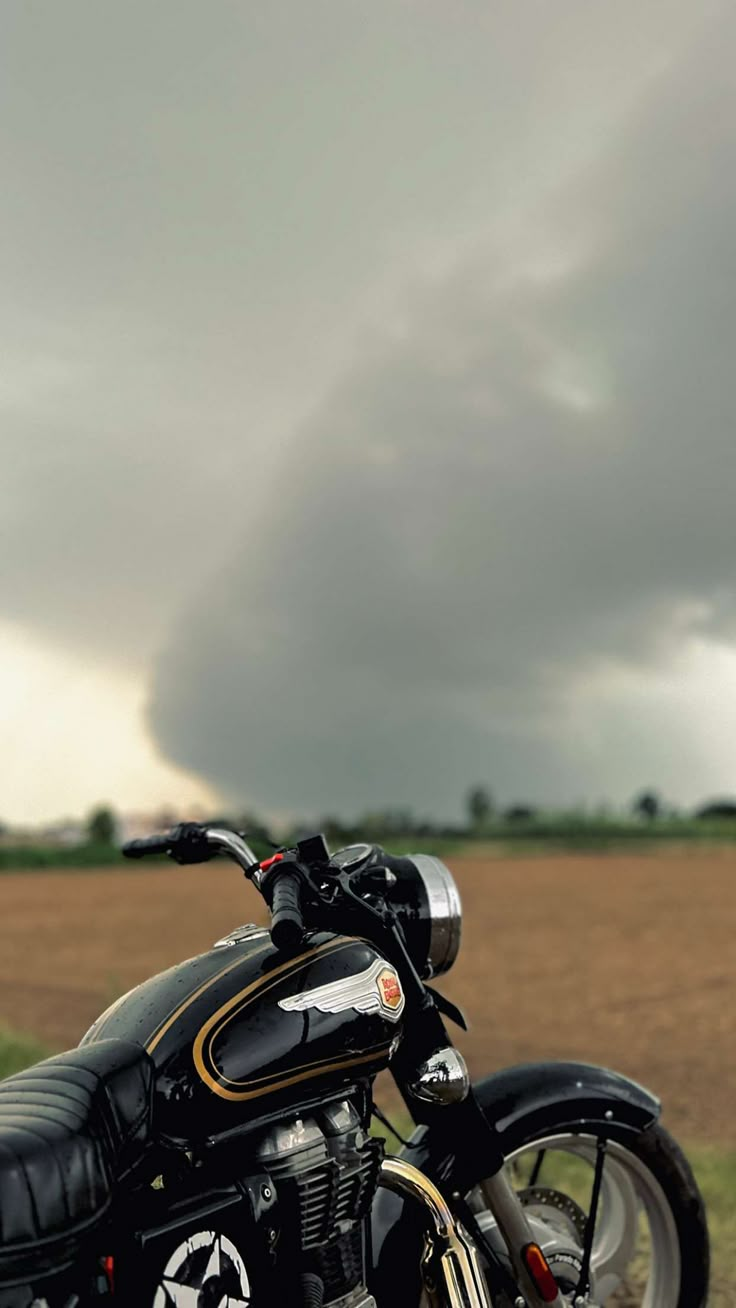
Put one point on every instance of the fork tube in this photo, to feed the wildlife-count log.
(508, 1211)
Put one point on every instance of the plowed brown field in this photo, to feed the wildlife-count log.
(617, 959)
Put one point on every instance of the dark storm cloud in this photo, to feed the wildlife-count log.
(372, 361)
(528, 483)
(199, 205)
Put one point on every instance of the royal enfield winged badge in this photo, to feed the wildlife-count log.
(376, 990)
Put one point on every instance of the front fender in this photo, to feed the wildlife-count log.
(522, 1102)
(538, 1096)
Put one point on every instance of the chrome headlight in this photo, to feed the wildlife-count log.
(428, 904)
(444, 910)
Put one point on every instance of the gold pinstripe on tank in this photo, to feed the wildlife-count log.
(159, 1032)
(300, 1074)
(215, 1024)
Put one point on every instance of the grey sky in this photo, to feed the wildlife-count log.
(368, 388)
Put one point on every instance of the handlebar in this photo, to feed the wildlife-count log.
(282, 879)
(230, 842)
(191, 843)
(146, 846)
(287, 922)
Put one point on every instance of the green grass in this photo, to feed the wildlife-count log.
(17, 1052)
(715, 1172)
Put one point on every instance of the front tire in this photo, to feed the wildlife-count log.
(651, 1247)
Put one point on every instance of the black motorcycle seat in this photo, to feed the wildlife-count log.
(71, 1128)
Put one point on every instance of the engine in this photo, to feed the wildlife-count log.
(325, 1170)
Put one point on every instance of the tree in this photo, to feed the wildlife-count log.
(717, 808)
(647, 805)
(479, 807)
(102, 826)
(520, 813)
(253, 827)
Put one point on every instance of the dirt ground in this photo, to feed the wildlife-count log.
(626, 960)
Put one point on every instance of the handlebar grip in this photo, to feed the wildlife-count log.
(146, 846)
(287, 923)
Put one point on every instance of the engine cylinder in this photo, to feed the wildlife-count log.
(325, 1170)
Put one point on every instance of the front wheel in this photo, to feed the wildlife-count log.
(650, 1240)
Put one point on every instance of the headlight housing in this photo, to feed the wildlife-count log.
(444, 909)
(428, 905)
(424, 897)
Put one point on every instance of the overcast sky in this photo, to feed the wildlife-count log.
(367, 402)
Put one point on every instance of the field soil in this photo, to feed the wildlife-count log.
(626, 960)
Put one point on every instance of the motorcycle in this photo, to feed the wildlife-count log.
(208, 1142)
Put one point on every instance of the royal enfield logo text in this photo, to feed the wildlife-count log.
(392, 996)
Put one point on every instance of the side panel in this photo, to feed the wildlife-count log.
(241, 1032)
(216, 1246)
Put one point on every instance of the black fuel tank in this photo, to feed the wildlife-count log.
(242, 1031)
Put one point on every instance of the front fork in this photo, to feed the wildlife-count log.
(434, 1082)
(440, 1095)
(512, 1221)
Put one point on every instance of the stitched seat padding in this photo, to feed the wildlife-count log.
(70, 1129)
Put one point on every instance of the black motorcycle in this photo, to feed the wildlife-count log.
(207, 1145)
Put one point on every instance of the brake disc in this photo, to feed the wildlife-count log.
(559, 1226)
(556, 1210)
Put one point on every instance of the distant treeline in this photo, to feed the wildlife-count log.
(28, 855)
(648, 820)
